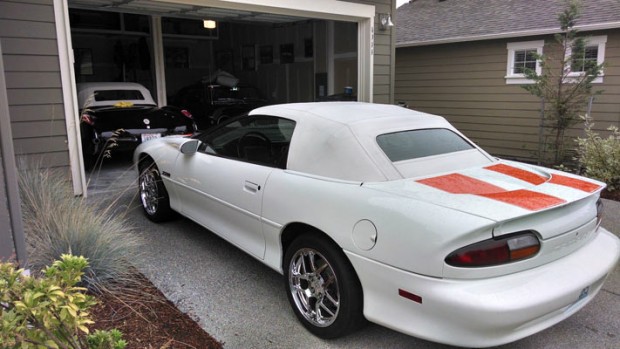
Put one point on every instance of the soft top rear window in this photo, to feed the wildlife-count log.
(118, 95)
(413, 144)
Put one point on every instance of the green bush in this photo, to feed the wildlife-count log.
(57, 223)
(599, 157)
(51, 311)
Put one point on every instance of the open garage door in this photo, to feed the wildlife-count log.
(287, 51)
(290, 54)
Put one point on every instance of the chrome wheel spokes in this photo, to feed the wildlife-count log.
(148, 192)
(314, 287)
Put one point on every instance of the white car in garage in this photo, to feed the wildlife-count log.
(380, 213)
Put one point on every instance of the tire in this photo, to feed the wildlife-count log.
(322, 287)
(153, 195)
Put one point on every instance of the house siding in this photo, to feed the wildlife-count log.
(465, 83)
(34, 89)
(384, 44)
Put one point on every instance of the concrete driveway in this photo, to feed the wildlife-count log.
(243, 303)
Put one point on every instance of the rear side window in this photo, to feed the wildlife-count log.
(118, 95)
(413, 144)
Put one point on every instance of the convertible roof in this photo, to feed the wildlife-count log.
(86, 93)
(338, 139)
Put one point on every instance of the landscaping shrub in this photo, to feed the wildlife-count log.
(49, 312)
(57, 223)
(600, 157)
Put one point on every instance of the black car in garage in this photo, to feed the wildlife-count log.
(116, 116)
(211, 102)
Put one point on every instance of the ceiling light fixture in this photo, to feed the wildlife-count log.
(209, 24)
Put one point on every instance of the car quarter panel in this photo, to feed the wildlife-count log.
(411, 235)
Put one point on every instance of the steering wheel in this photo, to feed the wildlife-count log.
(254, 139)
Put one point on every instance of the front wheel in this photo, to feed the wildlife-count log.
(322, 287)
(153, 195)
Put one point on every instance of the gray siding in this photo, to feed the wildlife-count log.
(383, 90)
(465, 83)
(32, 72)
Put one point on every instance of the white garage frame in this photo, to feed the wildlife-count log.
(334, 10)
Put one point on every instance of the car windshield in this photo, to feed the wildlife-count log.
(413, 144)
(118, 95)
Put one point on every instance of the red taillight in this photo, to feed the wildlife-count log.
(86, 118)
(187, 114)
(503, 250)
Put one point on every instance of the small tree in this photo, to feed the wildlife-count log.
(565, 82)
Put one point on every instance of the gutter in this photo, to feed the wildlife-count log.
(506, 35)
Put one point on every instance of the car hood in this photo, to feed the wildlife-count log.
(506, 191)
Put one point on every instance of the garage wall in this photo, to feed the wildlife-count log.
(281, 82)
(32, 71)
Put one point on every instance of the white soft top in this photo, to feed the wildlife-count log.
(87, 90)
(338, 139)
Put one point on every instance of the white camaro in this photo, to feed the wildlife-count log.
(382, 213)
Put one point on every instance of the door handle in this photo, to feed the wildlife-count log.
(251, 187)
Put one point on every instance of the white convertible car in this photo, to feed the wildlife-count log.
(380, 213)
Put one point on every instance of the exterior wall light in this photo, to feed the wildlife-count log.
(385, 21)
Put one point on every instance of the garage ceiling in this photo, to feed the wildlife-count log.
(181, 11)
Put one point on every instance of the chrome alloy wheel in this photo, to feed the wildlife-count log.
(149, 193)
(314, 287)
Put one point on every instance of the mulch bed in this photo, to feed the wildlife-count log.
(148, 320)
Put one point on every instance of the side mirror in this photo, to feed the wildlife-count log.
(190, 147)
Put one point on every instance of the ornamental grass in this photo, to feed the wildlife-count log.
(56, 222)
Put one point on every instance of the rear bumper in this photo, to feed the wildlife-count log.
(492, 311)
(129, 139)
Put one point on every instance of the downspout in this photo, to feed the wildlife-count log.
(10, 174)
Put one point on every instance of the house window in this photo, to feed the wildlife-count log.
(594, 54)
(522, 56)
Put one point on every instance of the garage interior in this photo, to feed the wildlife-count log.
(287, 58)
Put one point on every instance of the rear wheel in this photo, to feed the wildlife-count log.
(322, 287)
(153, 195)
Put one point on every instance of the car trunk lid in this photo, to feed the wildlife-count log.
(508, 192)
(136, 117)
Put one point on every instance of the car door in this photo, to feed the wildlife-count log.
(221, 185)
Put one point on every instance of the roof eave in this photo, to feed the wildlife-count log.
(506, 35)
